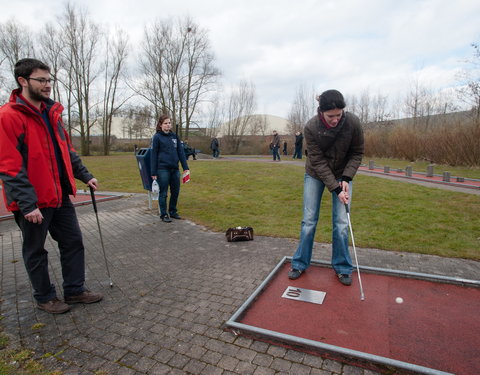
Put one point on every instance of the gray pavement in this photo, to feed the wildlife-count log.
(174, 287)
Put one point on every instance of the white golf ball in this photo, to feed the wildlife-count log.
(399, 300)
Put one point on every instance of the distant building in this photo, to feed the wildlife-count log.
(261, 125)
(124, 128)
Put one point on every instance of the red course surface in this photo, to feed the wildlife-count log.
(437, 326)
(80, 199)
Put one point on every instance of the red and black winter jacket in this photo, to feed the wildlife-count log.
(28, 166)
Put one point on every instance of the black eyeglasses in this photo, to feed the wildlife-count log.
(43, 81)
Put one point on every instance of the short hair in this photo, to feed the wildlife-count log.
(331, 99)
(25, 67)
(161, 119)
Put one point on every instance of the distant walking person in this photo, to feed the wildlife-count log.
(335, 147)
(285, 148)
(167, 152)
(215, 147)
(38, 167)
(275, 145)
(298, 145)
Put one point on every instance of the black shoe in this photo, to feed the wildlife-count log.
(294, 274)
(176, 216)
(166, 219)
(345, 279)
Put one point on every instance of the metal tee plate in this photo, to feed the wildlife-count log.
(305, 295)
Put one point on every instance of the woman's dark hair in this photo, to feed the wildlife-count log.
(331, 99)
(25, 67)
(161, 119)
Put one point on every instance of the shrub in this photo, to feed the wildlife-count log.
(453, 143)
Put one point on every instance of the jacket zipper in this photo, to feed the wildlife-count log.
(53, 165)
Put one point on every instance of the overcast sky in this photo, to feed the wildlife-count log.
(378, 45)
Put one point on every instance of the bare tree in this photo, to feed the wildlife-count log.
(422, 104)
(55, 52)
(363, 109)
(368, 108)
(15, 42)
(116, 54)
(201, 73)
(139, 122)
(302, 109)
(259, 125)
(240, 110)
(416, 102)
(2, 81)
(215, 116)
(151, 85)
(51, 46)
(81, 38)
(469, 92)
(177, 68)
(379, 109)
(361, 106)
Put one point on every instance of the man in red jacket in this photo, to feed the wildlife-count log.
(38, 167)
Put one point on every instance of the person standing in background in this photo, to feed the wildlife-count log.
(215, 147)
(167, 152)
(298, 145)
(275, 145)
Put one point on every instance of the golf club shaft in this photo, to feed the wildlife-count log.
(362, 295)
(92, 193)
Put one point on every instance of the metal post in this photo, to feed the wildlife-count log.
(430, 170)
(408, 171)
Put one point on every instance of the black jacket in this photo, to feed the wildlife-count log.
(299, 140)
(214, 144)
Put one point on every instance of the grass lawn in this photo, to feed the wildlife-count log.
(386, 214)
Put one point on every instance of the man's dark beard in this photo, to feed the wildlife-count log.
(35, 94)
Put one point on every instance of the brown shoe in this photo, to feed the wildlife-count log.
(54, 306)
(85, 297)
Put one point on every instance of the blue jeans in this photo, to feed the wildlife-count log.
(312, 197)
(275, 153)
(298, 153)
(168, 178)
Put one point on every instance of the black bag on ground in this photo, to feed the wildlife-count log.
(239, 234)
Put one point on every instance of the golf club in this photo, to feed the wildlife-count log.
(92, 193)
(362, 296)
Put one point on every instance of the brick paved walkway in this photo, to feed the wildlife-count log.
(174, 287)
